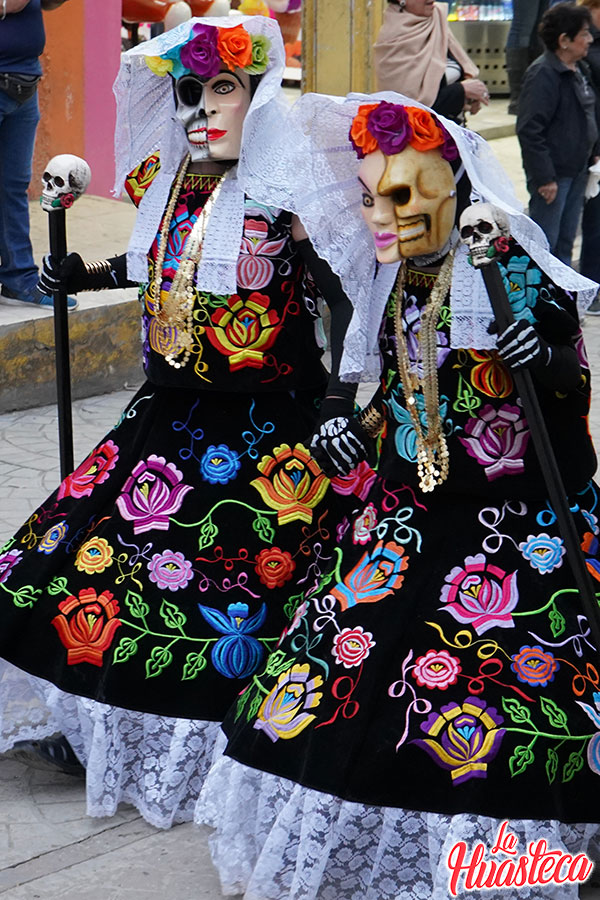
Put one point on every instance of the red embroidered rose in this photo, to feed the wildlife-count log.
(86, 625)
(92, 471)
(274, 566)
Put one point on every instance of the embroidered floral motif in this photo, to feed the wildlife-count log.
(352, 646)
(92, 471)
(489, 375)
(86, 625)
(284, 711)
(480, 594)
(8, 561)
(170, 570)
(238, 654)
(220, 464)
(545, 553)
(520, 281)
(53, 537)
(94, 556)
(376, 575)
(498, 439)
(153, 492)
(245, 330)
(534, 666)
(359, 481)
(291, 482)
(364, 525)
(254, 268)
(437, 669)
(274, 566)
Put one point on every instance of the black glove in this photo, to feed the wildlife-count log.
(340, 442)
(521, 347)
(72, 274)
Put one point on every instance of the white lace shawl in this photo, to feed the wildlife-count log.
(146, 123)
(312, 170)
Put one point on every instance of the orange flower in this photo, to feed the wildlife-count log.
(426, 133)
(291, 482)
(86, 625)
(359, 133)
(235, 47)
(490, 375)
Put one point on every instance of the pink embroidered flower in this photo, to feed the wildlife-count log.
(170, 569)
(480, 594)
(364, 525)
(351, 646)
(8, 561)
(153, 492)
(297, 617)
(94, 470)
(498, 439)
(437, 669)
(358, 482)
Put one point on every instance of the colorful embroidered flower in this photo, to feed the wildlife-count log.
(534, 666)
(53, 537)
(352, 646)
(86, 625)
(291, 482)
(497, 439)
(274, 566)
(220, 464)
(139, 179)
(437, 669)
(359, 481)
(201, 54)
(158, 65)
(463, 739)
(593, 754)
(298, 616)
(94, 556)
(364, 525)
(92, 471)
(490, 376)
(153, 492)
(8, 561)
(283, 712)
(170, 569)
(255, 266)
(544, 553)
(376, 575)
(480, 594)
(235, 47)
(520, 278)
(590, 546)
(238, 654)
(244, 330)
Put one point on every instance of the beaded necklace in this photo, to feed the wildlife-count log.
(432, 450)
(176, 312)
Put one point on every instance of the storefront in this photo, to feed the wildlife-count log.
(482, 29)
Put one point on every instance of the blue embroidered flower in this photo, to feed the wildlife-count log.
(519, 281)
(237, 655)
(219, 464)
(543, 552)
(53, 537)
(406, 437)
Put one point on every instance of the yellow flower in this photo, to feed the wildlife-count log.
(283, 712)
(253, 8)
(291, 482)
(95, 555)
(158, 65)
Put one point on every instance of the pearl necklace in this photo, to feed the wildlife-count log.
(432, 450)
(176, 312)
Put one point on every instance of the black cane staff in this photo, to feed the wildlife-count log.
(537, 427)
(65, 179)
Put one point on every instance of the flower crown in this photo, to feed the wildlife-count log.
(390, 127)
(210, 49)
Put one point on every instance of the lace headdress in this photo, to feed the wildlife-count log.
(146, 124)
(325, 194)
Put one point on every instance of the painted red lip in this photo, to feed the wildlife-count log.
(215, 133)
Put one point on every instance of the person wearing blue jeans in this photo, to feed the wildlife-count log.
(22, 40)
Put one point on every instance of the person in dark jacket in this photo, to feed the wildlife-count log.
(556, 126)
(589, 264)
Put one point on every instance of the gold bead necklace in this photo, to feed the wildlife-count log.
(432, 450)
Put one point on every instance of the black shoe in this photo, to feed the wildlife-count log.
(50, 754)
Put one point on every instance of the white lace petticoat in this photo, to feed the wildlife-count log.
(276, 840)
(155, 763)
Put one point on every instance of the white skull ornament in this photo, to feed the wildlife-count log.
(66, 178)
(480, 225)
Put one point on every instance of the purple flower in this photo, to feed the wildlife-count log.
(449, 149)
(284, 712)
(151, 494)
(498, 440)
(463, 739)
(201, 54)
(389, 124)
(8, 561)
(170, 569)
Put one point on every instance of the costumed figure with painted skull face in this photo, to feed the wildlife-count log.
(441, 678)
(149, 588)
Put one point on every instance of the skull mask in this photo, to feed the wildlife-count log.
(66, 178)
(212, 111)
(421, 185)
(481, 225)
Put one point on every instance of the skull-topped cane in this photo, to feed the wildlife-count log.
(66, 177)
(480, 225)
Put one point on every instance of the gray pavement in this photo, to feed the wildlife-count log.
(49, 848)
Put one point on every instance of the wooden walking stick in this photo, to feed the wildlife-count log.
(535, 419)
(66, 177)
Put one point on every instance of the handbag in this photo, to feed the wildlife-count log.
(19, 88)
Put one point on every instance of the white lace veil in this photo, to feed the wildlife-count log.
(146, 123)
(313, 171)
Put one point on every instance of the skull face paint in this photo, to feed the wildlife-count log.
(378, 212)
(212, 112)
(422, 189)
(65, 179)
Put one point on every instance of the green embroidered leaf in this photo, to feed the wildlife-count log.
(136, 605)
(254, 706)
(557, 717)
(521, 758)
(242, 700)
(292, 605)
(557, 622)
(573, 765)
(194, 663)
(10, 542)
(126, 648)
(172, 615)
(57, 586)
(518, 713)
(26, 596)
(277, 663)
(160, 658)
(208, 533)
(264, 529)
(551, 764)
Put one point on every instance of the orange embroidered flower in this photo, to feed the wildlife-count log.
(86, 625)
(426, 133)
(291, 482)
(274, 566)
(95, 555)
(359, 133)
(244, 330)
(490, 375)
(235, 47)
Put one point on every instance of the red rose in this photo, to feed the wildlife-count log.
(67, 200)
(274, 566)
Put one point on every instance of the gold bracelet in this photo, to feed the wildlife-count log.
(372, 420)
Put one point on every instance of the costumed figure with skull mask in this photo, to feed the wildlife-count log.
(441, 677)
(146, 591)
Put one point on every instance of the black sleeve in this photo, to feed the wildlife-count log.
(450, 100)
(537, 107)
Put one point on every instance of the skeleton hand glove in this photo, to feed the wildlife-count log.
(340, 442)
(72, 274)
(521, 347)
